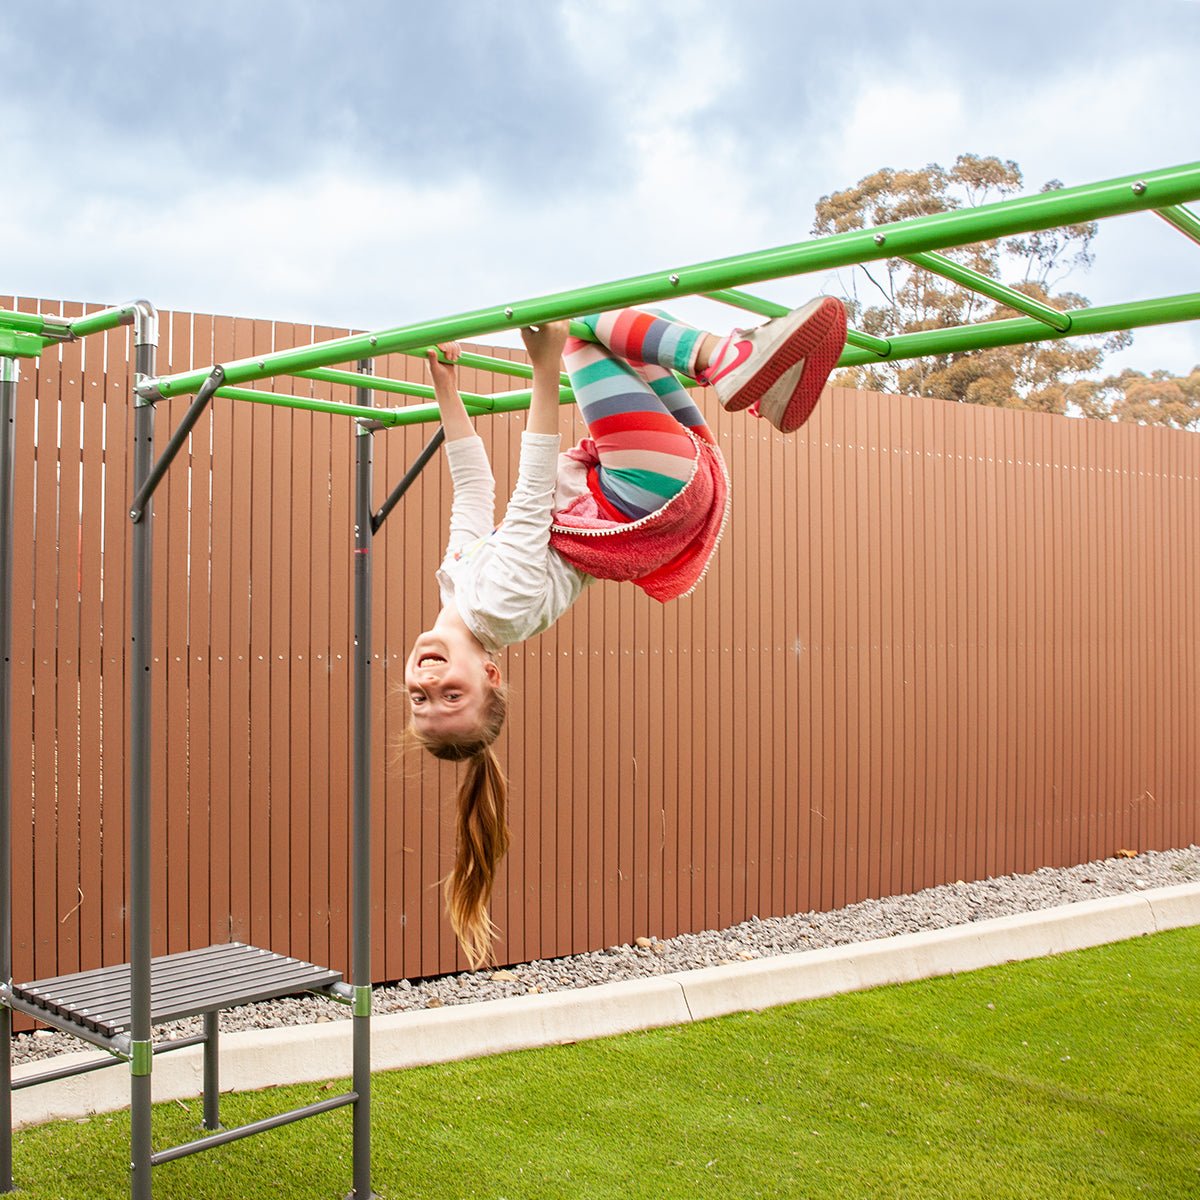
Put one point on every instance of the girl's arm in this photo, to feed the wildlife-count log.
(518, 568)
(544, 346)
(473, 503)
(455, 420)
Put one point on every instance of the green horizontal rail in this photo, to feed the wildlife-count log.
(1183, 219)
(505, 366)
(57, 327)
(401, 387)
(26, 335)
(976, 281)
(755, 304)
(1084, 321)
(98, 322)
(484, 362)
(22, 322)
(769, 308)
(378, 383)
(412, 414)
(503, 402)
(1017, 330)
(1046, 210)
(307, 404)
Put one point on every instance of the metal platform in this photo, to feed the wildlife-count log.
(181, 985)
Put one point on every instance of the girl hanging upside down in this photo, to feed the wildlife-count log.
(644, 498)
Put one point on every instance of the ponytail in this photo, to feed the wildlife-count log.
(481, 843)
(481, 828)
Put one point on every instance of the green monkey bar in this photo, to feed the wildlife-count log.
(918, 240)
(910, 345)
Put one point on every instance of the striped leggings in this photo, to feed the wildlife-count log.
(636, 411)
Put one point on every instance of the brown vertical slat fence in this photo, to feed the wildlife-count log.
(938, 642)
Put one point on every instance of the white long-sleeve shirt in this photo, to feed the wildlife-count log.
(507, 584)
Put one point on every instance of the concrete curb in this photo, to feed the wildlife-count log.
(312, 1053)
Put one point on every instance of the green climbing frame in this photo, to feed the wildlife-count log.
(918, 240)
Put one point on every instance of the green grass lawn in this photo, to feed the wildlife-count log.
(1075, 1076)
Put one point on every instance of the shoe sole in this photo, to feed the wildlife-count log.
(817, 342)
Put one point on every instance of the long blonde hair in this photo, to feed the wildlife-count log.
(481, 835)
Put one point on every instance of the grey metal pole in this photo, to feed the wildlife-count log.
(8, 400)
(140, 658)
(360, 959)
(212, 1078)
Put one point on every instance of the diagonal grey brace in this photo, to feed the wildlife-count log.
(410, 477)
(195, 410)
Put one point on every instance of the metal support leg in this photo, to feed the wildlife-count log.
(141, 659)
(6, 1159)
(360, 965)
(212, 1079)
(8, 401)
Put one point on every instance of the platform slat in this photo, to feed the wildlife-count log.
(181, 985)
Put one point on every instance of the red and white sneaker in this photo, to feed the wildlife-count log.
(779, 368)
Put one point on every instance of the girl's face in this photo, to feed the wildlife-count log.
(448, 677)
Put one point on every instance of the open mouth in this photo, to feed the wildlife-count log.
(431, 660)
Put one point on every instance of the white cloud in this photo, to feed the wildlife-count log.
(900, 123)
(674, 178)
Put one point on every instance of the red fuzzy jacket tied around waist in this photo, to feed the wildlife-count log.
(666, 553)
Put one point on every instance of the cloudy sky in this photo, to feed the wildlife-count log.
(372, 163)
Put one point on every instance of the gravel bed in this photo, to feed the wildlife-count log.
(934, 908)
